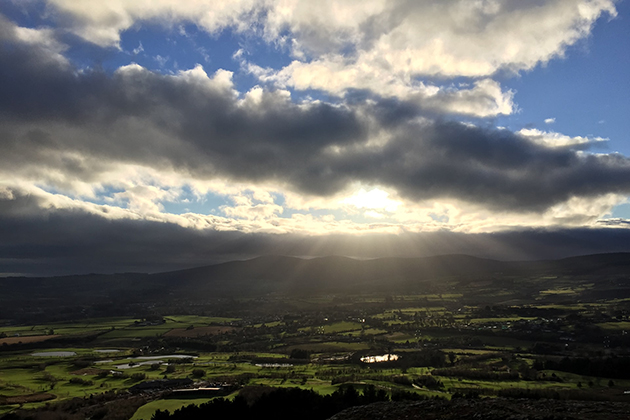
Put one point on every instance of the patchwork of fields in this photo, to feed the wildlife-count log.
(444, 347)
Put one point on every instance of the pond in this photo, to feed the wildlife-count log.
(273, 365)
(165, 356)
(381, 358)
(133, 365)
(54, 354)
(152, 360)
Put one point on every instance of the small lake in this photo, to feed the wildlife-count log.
(273, 365)
(164, 356)
(107, 351)
(381, 358)
(134, 365)
(54, 354)
(152, 360)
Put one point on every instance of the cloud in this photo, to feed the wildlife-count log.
(553, 139)
(66, 129)
(384, 46)
(102, 23)
(138, 49)
(484, 99)
(550, 120)
(394, 44)
(38, 239)
(90, 160)
(449, 38)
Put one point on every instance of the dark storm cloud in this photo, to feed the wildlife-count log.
(46, 241)
(80, 123)
(494, 167)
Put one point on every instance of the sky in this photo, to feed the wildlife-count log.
(142, 135)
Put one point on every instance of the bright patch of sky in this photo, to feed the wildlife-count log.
(189, 202)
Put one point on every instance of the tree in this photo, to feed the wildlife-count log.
(138, 377)
(300, 354)
(452, 357)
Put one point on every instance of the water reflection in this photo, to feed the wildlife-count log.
(382, 358)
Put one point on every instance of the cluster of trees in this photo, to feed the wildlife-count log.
(80, 381)
(428, 381)
(551, 394)
(285, 403)
(279, 404)
(607, 367)
(96, 407)
(476, 374)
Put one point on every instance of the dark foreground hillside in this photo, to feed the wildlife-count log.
(487, 409)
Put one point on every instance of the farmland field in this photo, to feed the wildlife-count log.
(481, 341)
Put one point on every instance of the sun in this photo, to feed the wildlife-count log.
(374, 199)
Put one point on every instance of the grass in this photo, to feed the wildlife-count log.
(622, 325)
(331, 347)
(198, 320)
(146, 411)
(137, 332)
(400, 337)
(367, 331)
(467, 351)
(70, 328)
(22, 374)
(24, 380)
(269, 324)
(121, 327)
(337, 327)
(501, 320)
(562, 291)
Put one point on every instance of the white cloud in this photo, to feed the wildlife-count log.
(45, 39)
(139, 49)
(102, 22)
(550, 120)
(484, 99)
(374, 214)
(161, 60)
(553, 139)
(138, 142)
(449, 38)
(381, 45)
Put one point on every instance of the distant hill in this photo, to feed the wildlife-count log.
(270, 274)
(289, 274)
(341, 271)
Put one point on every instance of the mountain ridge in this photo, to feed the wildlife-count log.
(482, 281)
(266, 261)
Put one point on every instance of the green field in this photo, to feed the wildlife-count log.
(317, 343)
